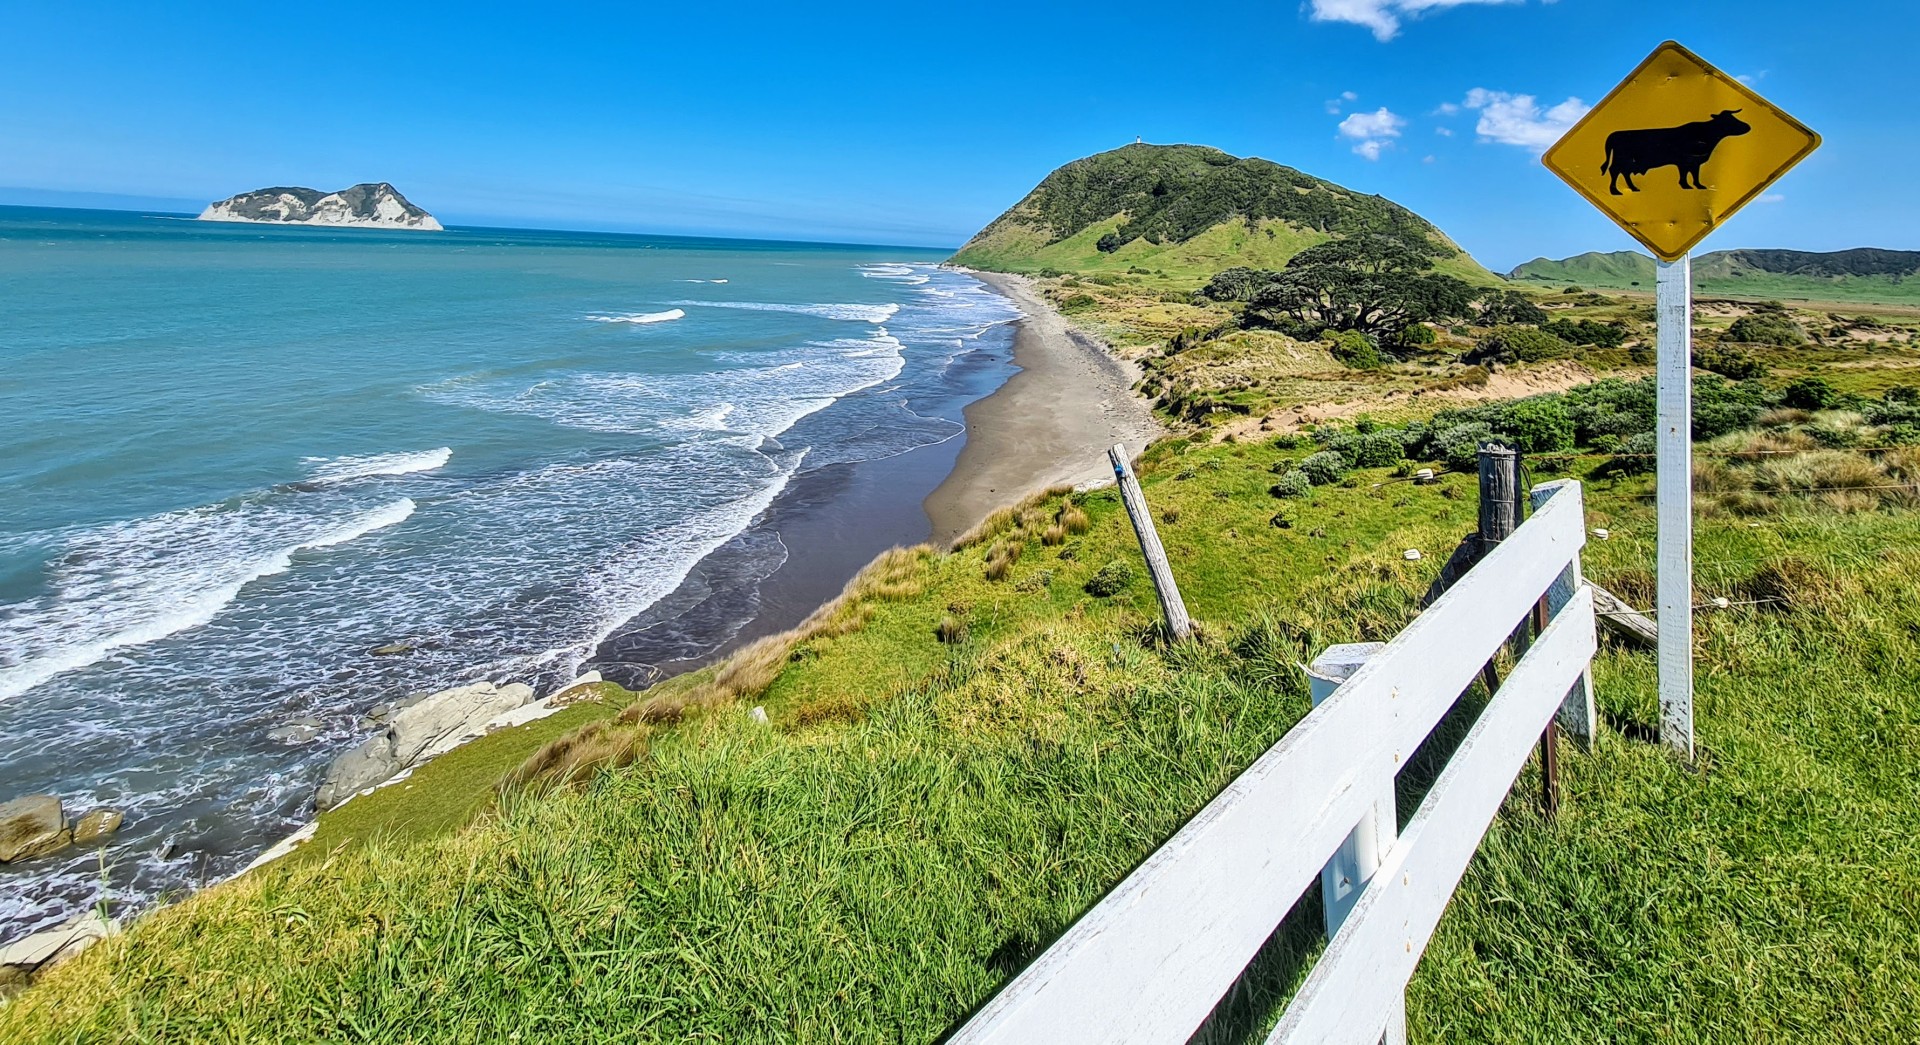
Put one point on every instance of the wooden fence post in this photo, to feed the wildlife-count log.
(1178, 624)
(1499, 518)
(1577, 714)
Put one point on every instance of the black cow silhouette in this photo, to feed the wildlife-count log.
(1687, 147)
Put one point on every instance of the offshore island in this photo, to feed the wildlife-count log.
(368, 205)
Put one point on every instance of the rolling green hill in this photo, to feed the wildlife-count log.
(1865, 274)
(1187, 211)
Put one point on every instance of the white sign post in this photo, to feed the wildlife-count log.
(1673, 497)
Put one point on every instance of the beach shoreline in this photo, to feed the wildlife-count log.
(1051, 424)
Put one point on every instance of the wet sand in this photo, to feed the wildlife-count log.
(1050, 424)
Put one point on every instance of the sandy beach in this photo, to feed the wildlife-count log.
(1050, 424)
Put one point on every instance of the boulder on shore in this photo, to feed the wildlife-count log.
(97, 825)
(22, 959)
(32, 826)
(423, 729)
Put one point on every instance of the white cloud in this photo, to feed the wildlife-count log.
(1334, 105)
(1517, 119)
(1446, 109)
(1444, 132)
(1772, 197)
(1372, 131)
(1383, 16)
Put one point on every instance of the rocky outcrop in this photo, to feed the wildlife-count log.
(22, 960)
(32, 826)
(423, 729)
(370, 205)
(94, 828)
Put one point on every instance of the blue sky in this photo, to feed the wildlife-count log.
(917, 123)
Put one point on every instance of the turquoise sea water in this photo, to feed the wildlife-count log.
(235, 458)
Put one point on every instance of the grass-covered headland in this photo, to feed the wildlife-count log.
(966, 750)
(971, 746)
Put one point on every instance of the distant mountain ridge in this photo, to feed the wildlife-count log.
(367, 205)
(1187, 209)
(1859, 274)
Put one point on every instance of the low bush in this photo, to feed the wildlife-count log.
(1324, 468)
(1809, 393)
(1292, 484)
(1729, 362)
(1110, 580)
(1768, 328)
(1354, 349)
(1539, 425)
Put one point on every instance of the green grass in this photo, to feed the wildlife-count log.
(920, 818)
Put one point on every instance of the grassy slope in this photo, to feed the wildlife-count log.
(754, 883)
(1625, 270)
(742, 882)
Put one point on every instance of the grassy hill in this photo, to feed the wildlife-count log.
(1187, 212)
(1865, 274)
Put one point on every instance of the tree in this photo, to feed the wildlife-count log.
(1509, 307)
(1370, 283)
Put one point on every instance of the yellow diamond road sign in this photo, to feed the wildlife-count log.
(1676, 148)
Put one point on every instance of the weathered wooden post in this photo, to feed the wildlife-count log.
(1499, 518)
(1576, 714)
(1178, 624)
(1352, 866)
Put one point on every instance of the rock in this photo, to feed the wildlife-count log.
(419, 729)
(367, 205)
(758, 714)
(381, 714)
(97, 825)
(444, 720)
(22, 959)
(297, 731)
(360, 768)
(32, 826)
(391, 649)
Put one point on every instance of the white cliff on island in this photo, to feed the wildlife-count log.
(374, 205)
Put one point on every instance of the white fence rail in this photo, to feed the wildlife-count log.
(1151, 960)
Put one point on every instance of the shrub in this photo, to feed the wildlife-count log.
(1720, 406)
(1414, 336)
(1767, 328)
(1518, 345)
(1235, 284)
(1729, 362)
(1540, 425)
(1110, 580)
(1292, 484)
(1459, 445)
(1324, 468)
(1809, 393)
(1636, 455)
(1376, 450)
(1078, 301)
(1503, 307)
(1355, 349)
(1587, 332)
(951, 631)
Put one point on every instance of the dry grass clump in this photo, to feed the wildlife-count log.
(1002, 556)
(1027, 516)
(1074, 519)
(838, 707)
(951, 630)
(571, 759)
(1754, 473)
(1055, 535)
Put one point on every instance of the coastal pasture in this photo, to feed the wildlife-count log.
(918, 817)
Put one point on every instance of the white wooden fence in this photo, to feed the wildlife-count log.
(1153, 957)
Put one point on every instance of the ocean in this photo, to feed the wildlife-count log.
(235, 459)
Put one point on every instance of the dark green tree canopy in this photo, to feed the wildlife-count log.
(1371, 283)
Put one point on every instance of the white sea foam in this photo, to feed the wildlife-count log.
(700, 281)
(342, 469)
(642, 317)
(853, 313)
(132, 583)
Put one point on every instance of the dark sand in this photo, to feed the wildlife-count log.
(1049, 423)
